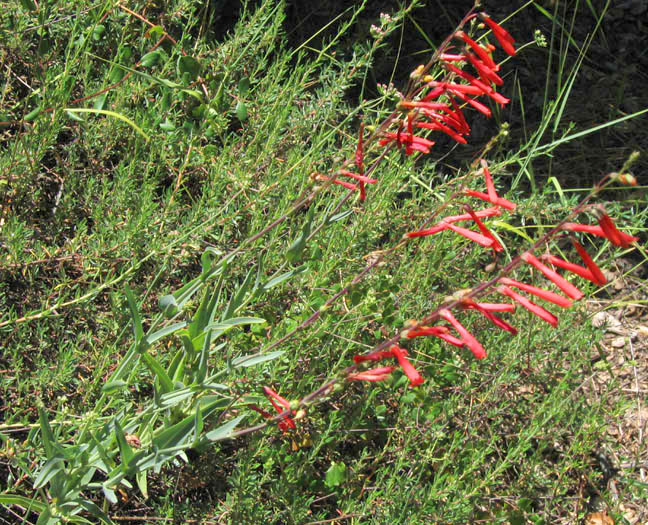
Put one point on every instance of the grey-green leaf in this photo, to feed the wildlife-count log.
(335, 475)
(241, 111)
(252, 360)
(187, 64)
(224, 431)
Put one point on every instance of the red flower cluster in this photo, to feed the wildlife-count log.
(439, 108)
(485, 237)
(360, 176)
(382, 373)
(590, 272)
(280, 404)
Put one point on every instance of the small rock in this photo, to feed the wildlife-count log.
(598, 518)
(618, 342)
(642, 332)
(605, 319)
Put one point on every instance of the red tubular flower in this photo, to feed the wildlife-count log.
(271, 394)
(491, 196)
(484, 110)
(264, 413)
(485, 73)
(486, 212)
(503, 37)
(375, 374)
(283, 425)
(481, 52)
(422, 331)
(625, 239)
(276, 400)
(443, 225)
(348, 185)
(486, 89)
(411, 372)
(547, 295)
(468, 339)
(359, 154)
(486, 312)
(483, 196)
(599, 278)
(449, 86)
(554, 277)
(415, 104)
(359, 161)
(412, 143)
(441, 127)
(434, 94)
(490, 185)
(441, 332)
(491, 307)
(529, 305)
(611, 232)
(497, 247)
(358, 177)
(480, 239)
(429, 231)
(450, 339)
(581, 271)
(449, 117)
(448, 57)
(460, 116)
(374, 356)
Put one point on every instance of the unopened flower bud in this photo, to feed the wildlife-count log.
(624, 178)
(417, 72)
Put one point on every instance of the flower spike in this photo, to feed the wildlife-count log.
(359, 161)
